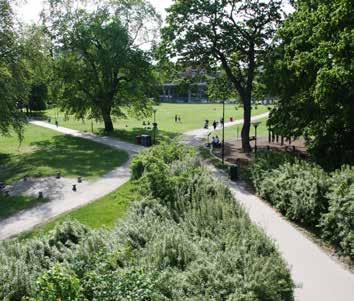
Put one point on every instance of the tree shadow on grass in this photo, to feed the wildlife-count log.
(12, 205)
(69, 155)
(129, 135)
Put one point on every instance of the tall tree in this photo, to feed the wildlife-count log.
(232, 34)
(13, 73)
(312, 72)
(102, 68)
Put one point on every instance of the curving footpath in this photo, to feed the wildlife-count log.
(68, 200)
(318, 276)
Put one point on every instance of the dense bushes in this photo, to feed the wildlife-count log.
(337, 224)
(197, 244)
(304, 193)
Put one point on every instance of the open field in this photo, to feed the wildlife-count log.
(43, 152)
(234, 132)
(192, 117)
(102, 213)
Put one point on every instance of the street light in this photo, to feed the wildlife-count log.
(223, 132)
(255, 124)
(155, 125)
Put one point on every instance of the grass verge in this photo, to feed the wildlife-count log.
(102, 213)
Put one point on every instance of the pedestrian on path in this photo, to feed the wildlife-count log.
(214, 125)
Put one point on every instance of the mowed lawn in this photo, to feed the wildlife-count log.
(192, 116)
(234, 132)
(43, 152)
(104, 212)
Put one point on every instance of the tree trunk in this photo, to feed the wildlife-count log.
(108, 124)
(245, 133)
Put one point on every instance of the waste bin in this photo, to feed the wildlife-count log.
(146, 140)
(138, 140)
(234, 170)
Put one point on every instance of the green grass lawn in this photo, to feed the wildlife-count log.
(43, 152)
(234, 132)
(11, 205)
(102, 213)
(192, 117)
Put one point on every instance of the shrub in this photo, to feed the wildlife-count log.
(58, 283)
(298, 191)
(337, 224)
(166, 153)
(187, 241)
(265, 162)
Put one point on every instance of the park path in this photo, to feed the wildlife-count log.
(196, 137)
(316, 274)
(63, 199)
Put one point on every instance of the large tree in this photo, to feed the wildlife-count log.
(13, 73)
(312, 72)
(97, 56)
(232, 34)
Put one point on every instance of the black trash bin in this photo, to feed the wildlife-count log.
(234, 170)
(146, 140)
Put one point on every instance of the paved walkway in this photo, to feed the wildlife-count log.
(318, 276)
(63, 199)
(195, 137)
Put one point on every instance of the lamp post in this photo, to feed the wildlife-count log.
(255, 124)
(223, 133)
(155, 125)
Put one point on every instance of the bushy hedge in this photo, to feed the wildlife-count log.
(304, 193)
(196, 245)
(337, 225)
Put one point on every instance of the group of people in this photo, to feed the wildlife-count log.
(215, 142)
(178, 118)
(215, 123)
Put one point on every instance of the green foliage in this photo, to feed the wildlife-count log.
(99, 65)
(311, 71)
(304, 193)
(297, 190)
(196, 245)
(13, 73)
(232, 35)
(58, 283)
(165, 153)
(265, 163)
(337, 225)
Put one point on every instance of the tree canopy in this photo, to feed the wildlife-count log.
(13, 74)
(232, 34)
(311, 72)
(99, 62)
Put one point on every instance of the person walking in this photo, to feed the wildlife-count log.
(176, 118)
(214, 125)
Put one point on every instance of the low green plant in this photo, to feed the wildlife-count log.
(297, 190)
(305, 193)
(337, 225)
(187, 241)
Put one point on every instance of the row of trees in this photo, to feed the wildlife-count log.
(91, 62)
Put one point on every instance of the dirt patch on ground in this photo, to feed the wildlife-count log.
(235, 155)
